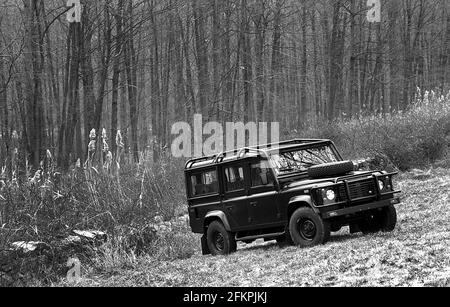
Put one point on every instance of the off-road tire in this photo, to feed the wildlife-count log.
(307, 229)
(388, 219)
(220, 241)
(331, 169)
(384, 220)
(370, 224)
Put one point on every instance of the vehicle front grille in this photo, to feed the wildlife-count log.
(359, 189)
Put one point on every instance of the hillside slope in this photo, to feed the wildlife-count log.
(417, 253)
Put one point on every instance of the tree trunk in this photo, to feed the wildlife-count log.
(317, 76)
(276, 60)
(353, 74)
(75, 33)
(156, 90)
(105, 53)
(131, 74)
(336, 58)
(304, 70)
(5, 133)
(87, 73)
(116, 75)
(202, 54)
(35, 108)
(247, 69)
(260, 39)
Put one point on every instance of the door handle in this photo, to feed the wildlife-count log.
(254, 203)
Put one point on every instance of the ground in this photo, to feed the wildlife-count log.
(417, 253)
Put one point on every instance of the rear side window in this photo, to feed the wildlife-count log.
(261, 175)
(234, 178)
(204, 183)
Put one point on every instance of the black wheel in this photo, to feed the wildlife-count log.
(307, 228)
(384, 220)
(388, 219)
(219, 240)
(370, 224)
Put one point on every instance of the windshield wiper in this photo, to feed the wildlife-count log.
(286, 169)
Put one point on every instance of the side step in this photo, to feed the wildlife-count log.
(262, 236)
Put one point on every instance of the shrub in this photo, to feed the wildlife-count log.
(411, 139)
(123, 204)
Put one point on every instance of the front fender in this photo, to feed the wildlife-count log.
(217, 215)
(304, 199)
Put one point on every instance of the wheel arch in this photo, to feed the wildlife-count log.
(303, 201)
(216, 216)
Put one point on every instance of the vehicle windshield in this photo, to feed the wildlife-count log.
(299, 160)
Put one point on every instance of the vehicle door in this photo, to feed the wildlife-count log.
(203, 191)
(263, 196)
(235, 196)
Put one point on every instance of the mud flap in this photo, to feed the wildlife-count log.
(205, 248)
(354, 228)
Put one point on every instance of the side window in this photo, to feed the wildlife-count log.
(204, 183)
(260, 174)
(234, 178)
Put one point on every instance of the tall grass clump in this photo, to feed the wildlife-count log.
(49, 203)
(404, 140)
(128, 201)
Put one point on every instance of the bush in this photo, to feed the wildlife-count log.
(123, 204)
(412, 139)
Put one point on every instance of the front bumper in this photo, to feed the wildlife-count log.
(359, 209)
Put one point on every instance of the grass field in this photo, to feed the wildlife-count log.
(417, 253)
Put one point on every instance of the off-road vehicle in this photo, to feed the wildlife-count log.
(295, 192)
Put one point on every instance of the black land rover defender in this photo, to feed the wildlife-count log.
(296, 192)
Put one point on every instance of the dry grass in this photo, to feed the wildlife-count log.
(417, 253)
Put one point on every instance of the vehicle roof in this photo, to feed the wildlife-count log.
(251, 152)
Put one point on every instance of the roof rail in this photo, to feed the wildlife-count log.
(222, 155)
(219, 158)
(255, 149)
(290, 142)
(240, 153)
(246, 150)
(191, 162)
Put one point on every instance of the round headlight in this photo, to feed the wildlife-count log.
(381, 184)
(331, 195)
